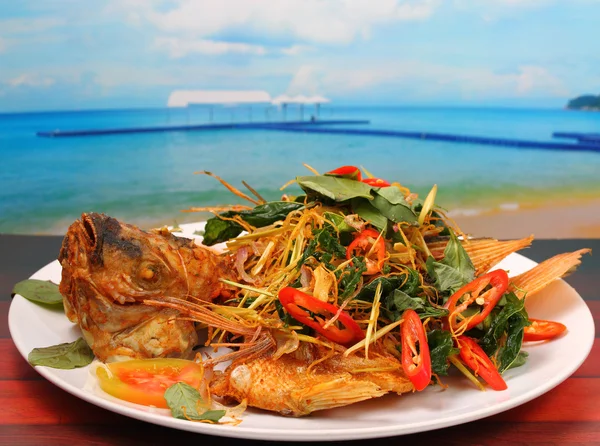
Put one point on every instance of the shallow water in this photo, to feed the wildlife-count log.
(45, 183)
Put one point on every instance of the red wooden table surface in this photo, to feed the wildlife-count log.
(34, 411)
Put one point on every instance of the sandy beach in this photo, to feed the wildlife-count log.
(578, 219)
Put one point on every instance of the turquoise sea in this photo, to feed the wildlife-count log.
(147, 179)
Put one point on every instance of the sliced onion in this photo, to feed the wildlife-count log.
(305, 276)
(240, 259)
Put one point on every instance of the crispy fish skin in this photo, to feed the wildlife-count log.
(109, 268)
(289, 386)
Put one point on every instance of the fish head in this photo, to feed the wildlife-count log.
(110, 268)
(124, 263)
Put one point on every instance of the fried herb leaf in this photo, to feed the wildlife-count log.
(520, 360)
(324, 241)
(40, 291)
(490, 341)
(351, 276)
(218, 230)
(440, 347)
(62, 356)
(509, 351)
(335, 188)
(390, 202)
(454, 270)
(184, 402)
(398, 302)
(369, 213)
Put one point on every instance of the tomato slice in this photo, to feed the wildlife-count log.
(144, 381)
(376, 182)
(476, 359)
(416, 360)
(541, 330)
(363, 242)
(470, 294)
(296, 303)
(351, 172)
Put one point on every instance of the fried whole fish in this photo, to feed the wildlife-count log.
(309, 379)
(109, 268)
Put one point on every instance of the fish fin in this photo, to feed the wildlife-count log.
(534, 280)
(335, 393)
(486, 253)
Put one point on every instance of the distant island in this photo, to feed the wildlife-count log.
(585, 102)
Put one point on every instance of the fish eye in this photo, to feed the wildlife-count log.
(149, 274)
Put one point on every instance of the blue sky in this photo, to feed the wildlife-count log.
(67, 54)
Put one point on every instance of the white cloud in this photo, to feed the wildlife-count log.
(29, 25)
(425, 80)
(31, 80)
(307, 80)
(330, 22)
(3, 45)
(296, 50)
(178, 48)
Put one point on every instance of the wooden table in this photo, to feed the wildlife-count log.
(34, 411)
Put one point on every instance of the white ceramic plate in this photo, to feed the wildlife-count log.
(34, 326)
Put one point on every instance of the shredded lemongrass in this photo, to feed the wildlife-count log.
(410, 250)
(367, 173)
(247, 287)
(428, 204)
(378, 334)
(310, 168)
(264, 258)
(229, 187)
(373, 319)
(459, 365)
(289, 183)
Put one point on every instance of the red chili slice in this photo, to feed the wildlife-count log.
(471, 293)
(376, 182)
(541, 330)
(296, 303)
(363, 243)
(416, 360)
(476, 359)
(351, 172)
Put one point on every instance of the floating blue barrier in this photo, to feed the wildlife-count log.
(586, 141)
(576, 135)
(178, 128)
(447, 137)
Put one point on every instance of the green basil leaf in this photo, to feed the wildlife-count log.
(388, 285)
(509, 351)
(440, 347)
(63, 356)
(334, 188)
(351, 276)
(398, 302)
(445, 278)
(394, 208)
(456, 257)
(218, 230)
(184, 402)
(369, 213)
(454, 270)
(520, 360)
(392, 195)
(339, 222)
(498, 323)
(40, 291)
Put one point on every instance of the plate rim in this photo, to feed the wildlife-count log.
(272, 434)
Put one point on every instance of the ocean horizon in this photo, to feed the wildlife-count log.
(148, 179)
